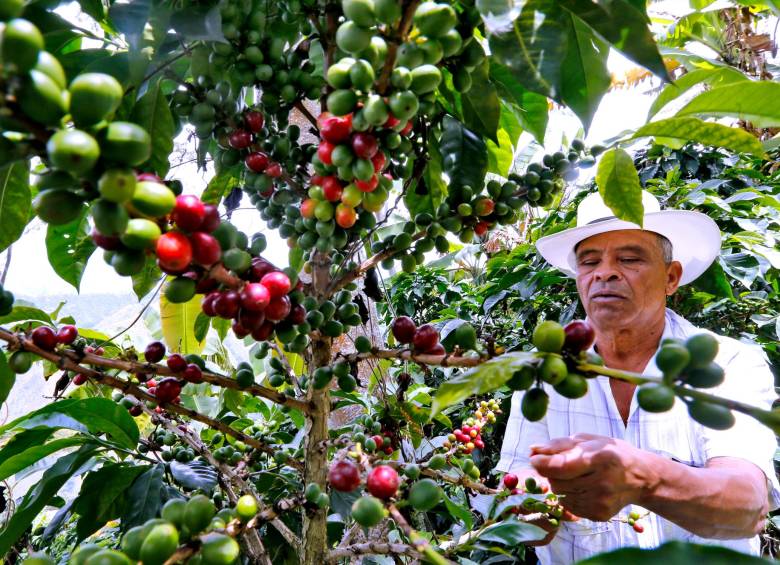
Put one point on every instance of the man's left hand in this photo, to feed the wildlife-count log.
(597, 475)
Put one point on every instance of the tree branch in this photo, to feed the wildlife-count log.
(371, 548)
(393, 41)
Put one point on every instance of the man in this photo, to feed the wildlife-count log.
(608, 457)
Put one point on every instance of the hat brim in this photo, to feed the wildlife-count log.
(695, 239)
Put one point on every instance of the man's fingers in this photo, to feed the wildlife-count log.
(563, 466)
(554, 446)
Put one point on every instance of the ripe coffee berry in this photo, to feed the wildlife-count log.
(67, 334)
(278, 309)
(255, 297)
(211, 218)
(277, 283)
(167, 390)
(344, 476)
(174, 251)
(192, 374)
(226, 305)
(403, 329)
(44, 337)
(176, 363)
(154, 352)
(80, 379)
(189, 212)
(205, 249)
(580, 335)
(383, 482)
(425, 338)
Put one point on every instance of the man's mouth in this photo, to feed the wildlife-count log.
(606, 295)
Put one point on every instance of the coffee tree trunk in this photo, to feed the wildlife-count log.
(315, 532)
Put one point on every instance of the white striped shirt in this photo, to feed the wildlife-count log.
(670, 434)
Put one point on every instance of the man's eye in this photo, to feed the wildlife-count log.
(630, 259)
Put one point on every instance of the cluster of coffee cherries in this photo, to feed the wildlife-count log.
(193, 522)
(690, 362)
(424, 339)
(163, 442)
(468, 437)
(382, 483)
(373, 437)
(550, 505)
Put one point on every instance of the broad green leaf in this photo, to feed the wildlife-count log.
(531, 109)
(512, 532)
(130, 17)
(752, 101)
(459, 512)
(481, 105)
(220, 186)
(26, 314)
(152, 112)
(501, 156)
(429, 191)
(194, 475)
(146, 280)
(12, 464)
(676, 553)
(296, 258)
(464, 154)
(178, 325)
(201, 326)
(198, 23)
(510, 122)
(145, 497)
(42, 493)
(103, 496)
(15, 201)
(619, 186)
(484, 378)
(7, 378)
(93, 8)
(624, 27)
(713, 77)
(714, 281)
(694, 130)
(96, 415)
(534, 46)
(69, 247)
(585, 78)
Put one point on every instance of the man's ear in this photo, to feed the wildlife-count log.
(673, 276)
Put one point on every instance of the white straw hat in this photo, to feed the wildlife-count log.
(695, 237)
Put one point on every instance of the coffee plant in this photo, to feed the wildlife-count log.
(374, 136)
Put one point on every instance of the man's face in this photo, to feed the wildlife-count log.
(622, 279)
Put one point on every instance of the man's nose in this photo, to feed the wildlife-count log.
(607, 270)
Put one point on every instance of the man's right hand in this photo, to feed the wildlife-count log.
(543, 523)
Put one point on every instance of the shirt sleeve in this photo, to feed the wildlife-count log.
(520, 434)
(749, 380)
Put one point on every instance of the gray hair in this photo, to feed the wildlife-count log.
(666, 248)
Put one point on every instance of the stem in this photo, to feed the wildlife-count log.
(420, 544)
(305, 111)
(371, 548)
(446, 360)
(393, 40)
(315, 531)
(135, 367)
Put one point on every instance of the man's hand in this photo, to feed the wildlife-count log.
(597, 475)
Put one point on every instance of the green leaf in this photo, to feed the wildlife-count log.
(146, 280)
(103, 495)
(15, 201)
(481, 105)
(194, 475)
(688, 130)
(675, 553)
(619, 185)
(220, 185)
(624, 27)
(201, 326)
(96, 415)
(26, 314)
(130, 17)
(459, 512)
(501, 156)
(714, 281)
(296, 258)
(752, 101)
(178, 325)
(42, 493)
(585, 78)
(152, 112)
(530, 108)
(512, 532)
(464, 154)
(7, 378)
(198, 23)
(481, 379)
(713, 77)
(145, 496)
(534, 47)
(13, 462)
(69, 247)
(429, 191)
